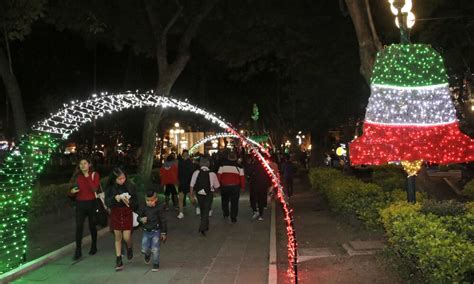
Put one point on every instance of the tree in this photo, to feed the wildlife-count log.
(160, 29)
(369, 43)
(290, 59)
(17, 18)
(168, 70)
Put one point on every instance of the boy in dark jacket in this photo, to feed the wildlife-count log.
(154, 229)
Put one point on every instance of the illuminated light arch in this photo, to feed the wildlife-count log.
(223, 135)
(20, 171)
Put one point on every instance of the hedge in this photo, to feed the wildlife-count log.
(348, 195)
(435, 238)
(440, 247)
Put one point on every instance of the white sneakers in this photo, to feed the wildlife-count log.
(180, 215)
(198, 211)
(255, 215)
(210, 213)
(260, 218)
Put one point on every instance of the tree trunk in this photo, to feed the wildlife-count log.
(167, 72)
(14, 95)
(368, 45)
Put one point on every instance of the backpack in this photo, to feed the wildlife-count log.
(203, 181)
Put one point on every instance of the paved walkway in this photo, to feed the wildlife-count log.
(321, 236)
(230, 253)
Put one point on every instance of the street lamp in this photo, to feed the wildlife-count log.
(176, 131)
(405, 19)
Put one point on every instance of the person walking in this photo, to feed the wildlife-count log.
(259, 184)
(288, 169)
(169, 180)
(202, 186)
(185, 172)
(86, 183)
(232, 180)
(120, 196)
(153, 221)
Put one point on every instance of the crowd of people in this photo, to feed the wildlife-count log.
(183, 180)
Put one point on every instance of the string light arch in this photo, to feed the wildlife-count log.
(223, 135)
(21, 168)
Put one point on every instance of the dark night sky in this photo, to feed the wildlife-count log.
(53, 67)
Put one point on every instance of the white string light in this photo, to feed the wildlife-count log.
(422, 106)
(222, 135)
(73, 116)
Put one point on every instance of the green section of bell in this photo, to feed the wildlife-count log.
(409, 65)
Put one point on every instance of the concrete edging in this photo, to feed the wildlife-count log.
(45, 259)
(272, 261)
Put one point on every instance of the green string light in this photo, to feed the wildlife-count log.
(17, 176)
(409, 65)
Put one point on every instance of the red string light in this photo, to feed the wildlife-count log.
(292, 245)
(441, 144)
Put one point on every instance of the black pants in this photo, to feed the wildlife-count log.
(85, 209)
(288, 186)
(232, 194)
(205, 203)
(258, 198)
(170, 189)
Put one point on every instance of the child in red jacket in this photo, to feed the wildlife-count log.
(169, 180)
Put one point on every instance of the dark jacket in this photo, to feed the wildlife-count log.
(113, 190)
(156, 219)
(259, 179)
(185, 171)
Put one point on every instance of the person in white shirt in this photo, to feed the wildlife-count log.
(202, 187)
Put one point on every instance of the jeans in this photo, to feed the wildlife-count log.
(205, 203)
(232, 194)
(151, 244)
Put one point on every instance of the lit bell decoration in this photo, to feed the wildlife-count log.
(410, 115)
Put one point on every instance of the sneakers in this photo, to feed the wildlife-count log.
(210, 213)
(198, 211)
(180, 215)
(155, 268)
(77, 254)
(260, 218)
(255, 215)
(147, 258)
(129, 253)
(118, 263)
(233, 220)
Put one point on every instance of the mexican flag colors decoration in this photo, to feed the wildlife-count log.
(410, 115)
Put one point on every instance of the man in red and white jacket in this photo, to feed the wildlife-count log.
(232, 180)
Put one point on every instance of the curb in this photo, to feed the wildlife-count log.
(272, 262)
(45, 259)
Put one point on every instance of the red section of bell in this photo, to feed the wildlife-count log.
(441, 144)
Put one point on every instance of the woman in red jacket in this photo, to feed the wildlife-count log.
(86, 183)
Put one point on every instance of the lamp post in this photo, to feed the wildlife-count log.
(176, 131)
(405, 19)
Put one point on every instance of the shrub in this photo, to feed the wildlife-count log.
(49, 199)
(428, 242)
(469, 189)
(443, 208)
(389, 177)
(321, 178)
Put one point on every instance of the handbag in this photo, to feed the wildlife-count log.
(100, 217)
(101, 214)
